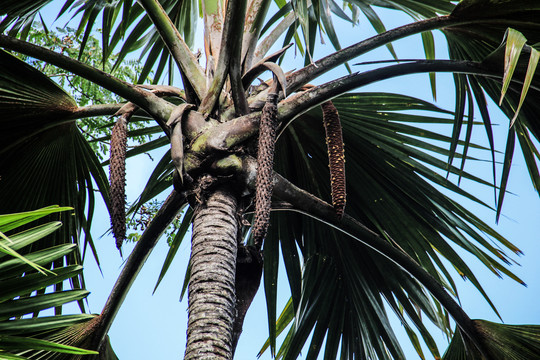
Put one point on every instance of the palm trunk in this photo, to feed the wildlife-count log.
(212, 283)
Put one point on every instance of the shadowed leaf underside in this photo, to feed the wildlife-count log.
(44, 155)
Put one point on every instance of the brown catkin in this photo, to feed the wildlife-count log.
(265, 160)
(336, 156)
(117, 179)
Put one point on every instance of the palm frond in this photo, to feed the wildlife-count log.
(19, 15)
(120, 20)
(517, 342)
(484, 44)
(352, 298)
(22, 295)
(315, 19)
(380, 147)
(175, 244)
(160, 180)
(45, 158)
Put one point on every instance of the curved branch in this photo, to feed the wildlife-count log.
(225, 135)
(112, 109)
(313, 206)
(295, 106)
(257, 69)
(157, 107)
(136, 260)
(95, 110)
(183, 57)
(319, 67)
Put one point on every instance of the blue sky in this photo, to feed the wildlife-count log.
(153, 326)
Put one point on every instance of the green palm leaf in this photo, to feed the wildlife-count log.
(116, 18)
(381, 147)
(350, 298)
(159, 181)
(16, 8)
(141, 35)
(20, 291)
(517, 342)
(484, 44)
(20, 14)
(315, 17)
(45, 159)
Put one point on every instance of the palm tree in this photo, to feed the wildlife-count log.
(242, 153)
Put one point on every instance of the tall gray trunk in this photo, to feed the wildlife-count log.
(212, 285)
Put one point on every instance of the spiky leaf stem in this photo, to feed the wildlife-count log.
(336, 156)
(117, 179)
(265, 159)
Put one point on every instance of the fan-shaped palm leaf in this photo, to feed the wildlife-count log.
(19, 15)
(45, 159)
(350, 298)
(21, 293)
(519, 342)
(484, 44)
(411, 213)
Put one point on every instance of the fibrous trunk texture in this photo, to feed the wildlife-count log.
(336, 156)
(265, 160)
(212, 282)
(117, 179)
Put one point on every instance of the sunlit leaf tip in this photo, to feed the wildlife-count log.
(531, 69)
(514, 44)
